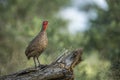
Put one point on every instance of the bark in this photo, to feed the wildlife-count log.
(60, 69)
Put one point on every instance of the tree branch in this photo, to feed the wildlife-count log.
(60, 69)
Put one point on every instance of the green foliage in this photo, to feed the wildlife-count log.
(103, 36)
(20, 21)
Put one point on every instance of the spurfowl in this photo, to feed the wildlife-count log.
(38, 44)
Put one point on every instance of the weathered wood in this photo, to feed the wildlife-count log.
(60, 69)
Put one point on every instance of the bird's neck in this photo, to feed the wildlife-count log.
(44, 27)
(42, 31)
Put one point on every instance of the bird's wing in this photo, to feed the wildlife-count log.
(31, 47)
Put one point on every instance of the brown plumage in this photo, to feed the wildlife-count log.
(38, 44)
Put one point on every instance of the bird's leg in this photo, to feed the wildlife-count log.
(38, 61)
(34, 62)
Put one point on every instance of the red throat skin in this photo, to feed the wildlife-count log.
(44, 25)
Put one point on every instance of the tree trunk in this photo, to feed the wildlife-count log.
(60, 69)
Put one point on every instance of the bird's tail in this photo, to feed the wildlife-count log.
(28, 57)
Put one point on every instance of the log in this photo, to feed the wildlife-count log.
(60, 69)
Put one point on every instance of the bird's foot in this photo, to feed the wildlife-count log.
(42, 66)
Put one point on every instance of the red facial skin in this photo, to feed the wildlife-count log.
(44, 25)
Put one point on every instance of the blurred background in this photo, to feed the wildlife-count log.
(93, 25)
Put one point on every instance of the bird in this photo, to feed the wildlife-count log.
(36, 47)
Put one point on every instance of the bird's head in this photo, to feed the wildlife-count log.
(44, 25)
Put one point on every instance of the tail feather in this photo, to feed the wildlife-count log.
(28, 57)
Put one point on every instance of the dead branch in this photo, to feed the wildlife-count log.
(60, 69)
